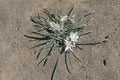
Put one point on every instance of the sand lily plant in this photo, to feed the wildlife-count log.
(60, 35)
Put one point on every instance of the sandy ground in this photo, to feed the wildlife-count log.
(17, 61)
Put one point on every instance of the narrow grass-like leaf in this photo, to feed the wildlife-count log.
(39, 52)
(76, 57)
(67, 63)
(34, 19)
(88, 14)
(80, 19)
(53, 72)
(40, 44)
(42, 60)
(40, 33)
(46, 35)
(49, 54)
(84, 33)
(50, 14)
(45, 61)
(79, 26)
(69, 60)
(36, 38)
(79, 47)
(70, 11)
(91, 41)
(89, 21)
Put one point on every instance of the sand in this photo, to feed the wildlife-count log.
(98, 62)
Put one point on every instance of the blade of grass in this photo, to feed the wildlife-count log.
(34, 19)
(49, 54)
(76, 57)
(89, 21)
(79, 26)
(82, 17)
(42, 34)
(67, 63)
(40, 50)
(49, 14)
(79, 47)
(39, 44)
(70, 11)
(46, 35)
(88, 14)
(36, 38)
(69, 60)
(53, 72)
(91, 41)
(49, 57)
(84, 33)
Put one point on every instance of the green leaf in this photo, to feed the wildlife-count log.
(49, 54)
(50, 14)
(80, 19)
(69, 60)
(35, 19)
(41, 44)
(53, 72)
(89, 21)
(70, 11)
(46, 35)
(76, 57)
(89, 13)
(79, 26)
(39, 52)
(36, 38)
(67, 63)
(84, 33)
(42, 49)
(91, 41)
(40, 33)
(79, 47)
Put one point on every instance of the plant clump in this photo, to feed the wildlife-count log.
(61, 34)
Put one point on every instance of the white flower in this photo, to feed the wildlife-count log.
(71, 40)
(55, 26)
(68, 45)
(74, 36)
(64, 18)
(73, 21)
(72, 18)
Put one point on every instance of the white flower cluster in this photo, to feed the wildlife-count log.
(56, 26)
(71, 40)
